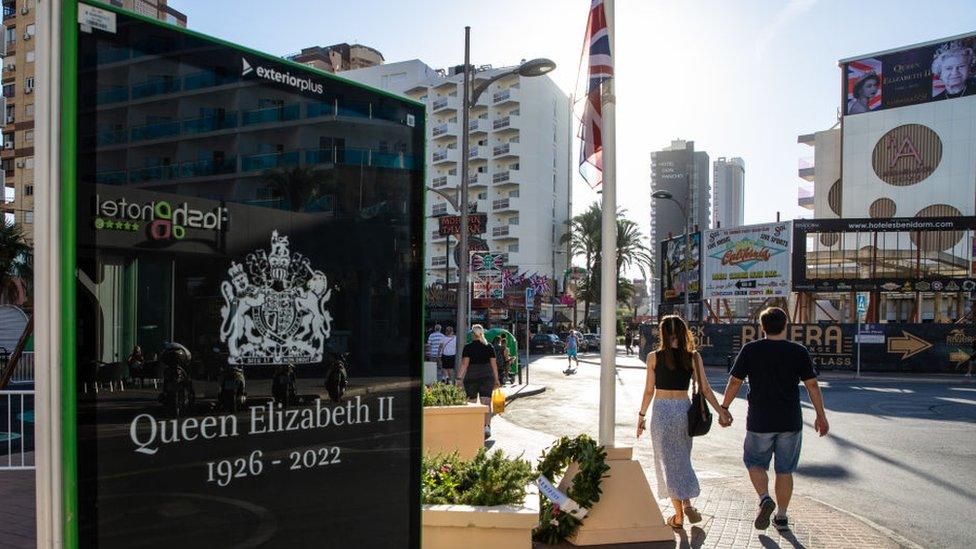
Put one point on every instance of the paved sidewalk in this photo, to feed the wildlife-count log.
(17, 516)
(728, 506)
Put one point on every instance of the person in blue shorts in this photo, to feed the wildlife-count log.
(572, 348)
(775, 367)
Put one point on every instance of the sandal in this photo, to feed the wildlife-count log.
(673, 523)
(693, 515)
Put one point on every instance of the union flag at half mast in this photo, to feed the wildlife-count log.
(600, 70)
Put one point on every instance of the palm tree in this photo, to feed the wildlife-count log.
(299, 186)
(16, 263)
(631, 251)
(584, 240)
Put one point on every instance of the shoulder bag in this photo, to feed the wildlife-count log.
(699, 416)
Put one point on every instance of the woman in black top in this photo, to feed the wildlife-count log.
(479, 371)
(669, 373)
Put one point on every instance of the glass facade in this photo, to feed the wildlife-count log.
(268, 219)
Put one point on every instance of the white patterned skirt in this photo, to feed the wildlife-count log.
(676, 478)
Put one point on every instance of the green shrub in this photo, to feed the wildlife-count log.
(485, 480)
(444, 394)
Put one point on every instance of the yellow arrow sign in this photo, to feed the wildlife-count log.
(908, 346)
(958, 357)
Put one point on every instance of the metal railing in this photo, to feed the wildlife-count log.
(24, 373)
(16, 430)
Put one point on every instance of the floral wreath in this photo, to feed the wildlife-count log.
(554, 524)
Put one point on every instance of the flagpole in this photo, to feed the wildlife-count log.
(608, 271)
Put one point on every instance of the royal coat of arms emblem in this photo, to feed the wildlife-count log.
(275, 308)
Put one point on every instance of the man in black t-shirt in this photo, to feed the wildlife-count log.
(774, 367)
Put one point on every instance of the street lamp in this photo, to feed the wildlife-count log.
(535, 67)
(666, 195)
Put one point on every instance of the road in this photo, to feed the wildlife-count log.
(900, 453)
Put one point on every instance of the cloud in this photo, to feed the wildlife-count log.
(783, 19)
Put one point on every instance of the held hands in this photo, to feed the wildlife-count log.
(724, 418)
(821, 426)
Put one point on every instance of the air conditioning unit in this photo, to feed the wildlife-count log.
(9, 120)
(8, 145)
(25, 10)
(10, 66)
(29, 89)
(20, 163)
(27, 35)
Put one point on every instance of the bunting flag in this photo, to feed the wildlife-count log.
(600, 70)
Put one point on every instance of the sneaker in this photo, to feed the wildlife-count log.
(766, 507)
(782, 524)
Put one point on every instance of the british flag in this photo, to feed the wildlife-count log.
(600, 70)
(856, 70)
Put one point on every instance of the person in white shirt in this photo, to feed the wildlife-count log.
(448, 355)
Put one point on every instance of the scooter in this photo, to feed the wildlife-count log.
(337, 379)
(283, 385)
(232, 395)
(177, 396)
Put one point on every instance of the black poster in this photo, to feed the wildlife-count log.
(249, 289)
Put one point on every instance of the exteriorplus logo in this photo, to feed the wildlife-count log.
(302, 83)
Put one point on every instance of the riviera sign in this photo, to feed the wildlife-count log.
(165, 221)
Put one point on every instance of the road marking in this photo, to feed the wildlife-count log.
(958, 400)
(882, 389)
(970, 389)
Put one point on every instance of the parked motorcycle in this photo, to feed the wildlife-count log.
(177, 396)
(337, 378)
(231, 396)
(283, 385)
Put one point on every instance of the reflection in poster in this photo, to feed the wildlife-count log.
(933, 72)
(677, 275)
(749, 261)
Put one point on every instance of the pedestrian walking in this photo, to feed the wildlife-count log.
(434, 340)
(479, 372)
(629, 341)
(572, 351)
(669, 372)
(502, 358)
(447, 353)
(774, 367)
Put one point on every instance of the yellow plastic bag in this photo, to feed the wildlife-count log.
(498, 401)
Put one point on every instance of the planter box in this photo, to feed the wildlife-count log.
(473, 527)
(458, 429)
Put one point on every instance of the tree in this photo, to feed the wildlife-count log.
(584, 240)
(16, 263)
(299, 186)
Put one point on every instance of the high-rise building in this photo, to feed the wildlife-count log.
(518, 161)
(338, 57)
(17, 155)
(684, 173)
(728, 192)
(823, 171)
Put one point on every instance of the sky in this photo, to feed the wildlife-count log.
(741, 78)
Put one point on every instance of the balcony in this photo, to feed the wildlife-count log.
(271, 114)
(210, 123)
(438, 261)
(208, 167)
(153, 173)
(478, 180)
(444, 156)
(444, 181)
(445, 130)
(805, 169)
(506, 149)
(156, 87)
(438, 210)
(502, 205)
(506, 123)
(478, 125)
(258, 162)
(436, 235)
(445, 104)
(505, 232)
(115, 94)
(476, 152)
(511, 95)
(507, 177)
(156, 130)
(206, 79)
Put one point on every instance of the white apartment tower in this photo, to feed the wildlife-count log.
(518, 161)
(728, 192)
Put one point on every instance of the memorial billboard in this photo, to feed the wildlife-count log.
(244, 249)
(747, 261)
(679, 275)
(936, 71)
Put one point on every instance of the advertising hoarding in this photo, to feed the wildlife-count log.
(240, 232)
(748, 261)
(677, 275)
(920, 74)
(894, 255)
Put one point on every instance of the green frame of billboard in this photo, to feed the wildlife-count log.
(68, 232)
